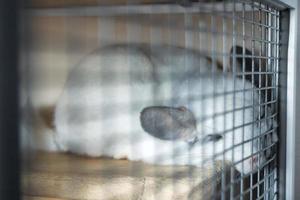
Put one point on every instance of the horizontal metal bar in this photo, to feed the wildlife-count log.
(256, 56)
(258, 183)
(205, 96)
(235, 110)
(130, 9)
(274, 28)
(227, 188)
(240, 144)
(276, 4)
(135, 9)
(245, 176)
(235, 181)
(258, 73)
(158, 23)
(264, 192)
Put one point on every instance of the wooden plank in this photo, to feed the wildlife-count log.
(66, 176)
(28, 197)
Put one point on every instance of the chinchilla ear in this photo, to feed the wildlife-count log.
(168, 123)
(248, 63)
(239, 59)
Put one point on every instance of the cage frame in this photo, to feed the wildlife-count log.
(289, 153)
(289, 91)
(289, 156)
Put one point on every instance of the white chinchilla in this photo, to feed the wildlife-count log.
(161, 105)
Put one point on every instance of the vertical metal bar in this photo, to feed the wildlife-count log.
(188, 42)
(155, 37)
(224, 28)
(275, 107)
(174, 40)
(224, 23)
(253, 90)
(132, 33)
(234, 103)
(267, 69)
(202, 41)
(293, 108)
(213, 55)
(259, 96)
(243, 77)
(283, 23)
(9, 119)
(68, 24)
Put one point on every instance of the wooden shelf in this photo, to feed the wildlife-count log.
(65, 176)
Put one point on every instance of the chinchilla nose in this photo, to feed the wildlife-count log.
(205, 139)
(211, 138)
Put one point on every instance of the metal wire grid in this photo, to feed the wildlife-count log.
(263, 181)
(263, 20)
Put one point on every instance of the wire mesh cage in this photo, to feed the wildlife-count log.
(189, 85)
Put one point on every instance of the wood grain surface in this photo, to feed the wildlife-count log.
(66, 176)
